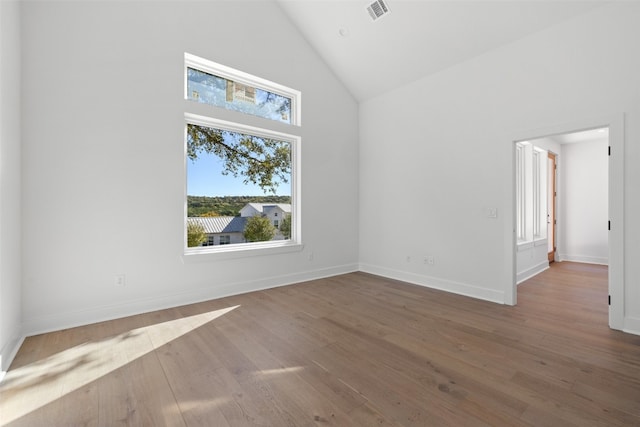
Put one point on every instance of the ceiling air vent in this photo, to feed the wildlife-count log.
(378, 9)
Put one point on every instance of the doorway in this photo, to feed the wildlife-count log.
(555, 239)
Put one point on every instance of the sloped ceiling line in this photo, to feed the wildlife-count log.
(418, 38)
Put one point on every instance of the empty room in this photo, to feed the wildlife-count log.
(349, 213)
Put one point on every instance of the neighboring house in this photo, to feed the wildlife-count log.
(225, 230)
(274, 211)
(222, 230)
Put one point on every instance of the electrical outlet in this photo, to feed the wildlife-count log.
(120, 280)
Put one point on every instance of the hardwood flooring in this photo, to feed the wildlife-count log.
(352, 350)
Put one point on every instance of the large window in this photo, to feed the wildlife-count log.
(239, 176)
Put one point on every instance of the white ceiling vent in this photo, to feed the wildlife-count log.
(378, 9)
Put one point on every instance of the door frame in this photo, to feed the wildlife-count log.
(615, 123)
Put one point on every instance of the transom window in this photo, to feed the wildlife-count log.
(215, 90)
(217, 85)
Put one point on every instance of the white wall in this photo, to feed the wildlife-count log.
(585, 211)
(103, 176)
(441, 148)
(10, 242)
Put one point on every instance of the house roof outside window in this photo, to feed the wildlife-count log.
(251, 209)
(221, 224)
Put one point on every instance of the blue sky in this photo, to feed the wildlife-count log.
(204, 178)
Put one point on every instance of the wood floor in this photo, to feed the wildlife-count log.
(353, 350)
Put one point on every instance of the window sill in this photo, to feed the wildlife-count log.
(243, 250)
(524, 245)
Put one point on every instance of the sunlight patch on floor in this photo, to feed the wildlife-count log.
(203, 405)
(33, 386)
(280, 371)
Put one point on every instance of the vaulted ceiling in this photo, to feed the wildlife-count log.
(418, 37)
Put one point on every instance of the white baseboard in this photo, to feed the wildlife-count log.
(584, 259)
(59, 321)
(436, 283)
(530, 272)
(632, 325)
(8, 353)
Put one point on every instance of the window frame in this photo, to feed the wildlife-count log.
(540, 185)
(521, 205)
(251, 248)
(241, 122)
(530, 195)
(535, 168)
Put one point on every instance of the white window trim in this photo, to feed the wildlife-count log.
(201, 64)
(520, 194)
(531, 205)
(239, 250)
(540, 195)
(535, 157)
(199, 120)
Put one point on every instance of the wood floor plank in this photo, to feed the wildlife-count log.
(399, 396)
(138, 394)
(350, 350)
(204, 398)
